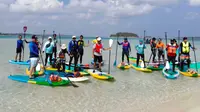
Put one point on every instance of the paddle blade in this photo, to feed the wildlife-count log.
(115, 63)
(110, 42)
(142, 64)
(167, 65)
(38, 67)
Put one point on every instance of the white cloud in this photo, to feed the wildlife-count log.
(194, 2)
(35, 5)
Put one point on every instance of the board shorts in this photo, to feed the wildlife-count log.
(98, 58)
(184, 56)
(34, 61)
(18, 50)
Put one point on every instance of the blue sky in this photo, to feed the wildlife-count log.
(97, 17)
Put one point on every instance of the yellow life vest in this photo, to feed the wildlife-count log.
(185, 47)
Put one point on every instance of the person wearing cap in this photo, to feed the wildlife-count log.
(34, 56)
(62, 58)
(160, 46)
(140, 52)
(55, 46)
(73, 52)
(126, 48)
(185, 52)
(153, 48)
(81, 44)
(171, 53)
(19, 48)
(48, 49)
(97, 53)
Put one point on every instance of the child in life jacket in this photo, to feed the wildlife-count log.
(61, 58)
(126, 48)
(171, 53)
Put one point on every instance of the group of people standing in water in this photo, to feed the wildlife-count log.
(158, 49)
(75, 51)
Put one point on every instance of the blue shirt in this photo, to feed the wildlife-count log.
(140, 48)
(34, 52)
(73, 46)
(20, 44)
(125, 46)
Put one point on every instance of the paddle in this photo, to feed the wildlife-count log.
(194, 54)
(24, 28)
(179, 36)
(167, 66)
(43, 38)
(115, 62)
(60, 39)
(110, 45)
(143, 47)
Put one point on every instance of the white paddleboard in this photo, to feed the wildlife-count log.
(96, 72)
(76, 79)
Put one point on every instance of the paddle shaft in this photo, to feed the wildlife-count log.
(179, 36)
(60, 39)
(24, 45)
(165, 44)
(194, 54)
(43, 38)
(116, 51)
(109, 62)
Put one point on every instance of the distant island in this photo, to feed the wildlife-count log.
(13, 34)
(124, 34)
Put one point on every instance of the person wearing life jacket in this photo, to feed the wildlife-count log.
(153, 48)
(126, 48)
(73, 52)
(81, 44)
(160, 46)
(48, 49)
(97, 53)
(62, 58)
(171, 53)
(140, 52)
(185, 52)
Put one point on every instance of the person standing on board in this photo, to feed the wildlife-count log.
(48, 49)
(160, 46)
(153, 48)
(95, 40)
(140, 52)
(73, 52)
(185, 53)
(126, 48)
(171, 53)
(81, 44)
(19, 48)
(62, 58)
(34, 55)
(97, 53)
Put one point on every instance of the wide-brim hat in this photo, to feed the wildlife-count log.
(63, 46)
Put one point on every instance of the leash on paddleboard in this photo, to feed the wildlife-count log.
(194, 54)
(115, 62)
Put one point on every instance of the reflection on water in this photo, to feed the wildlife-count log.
(133, 91)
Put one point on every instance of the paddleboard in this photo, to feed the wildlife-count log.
(124, 67)
(100, 75)
(38, 80)
(169, 74)
(156, 68)
(83, 73)
(141, 69)
(134, 59)
(189, 74)
(84, 66)
(69, 75)
(19, 63)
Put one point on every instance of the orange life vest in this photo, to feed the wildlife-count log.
(171, 49)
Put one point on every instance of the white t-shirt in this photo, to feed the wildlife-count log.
(95, 53)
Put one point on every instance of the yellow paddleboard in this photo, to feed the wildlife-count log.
(124, 67)
(141, 69)
(39, 73)
(189, 74)
(100, 75)
(68, 71)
